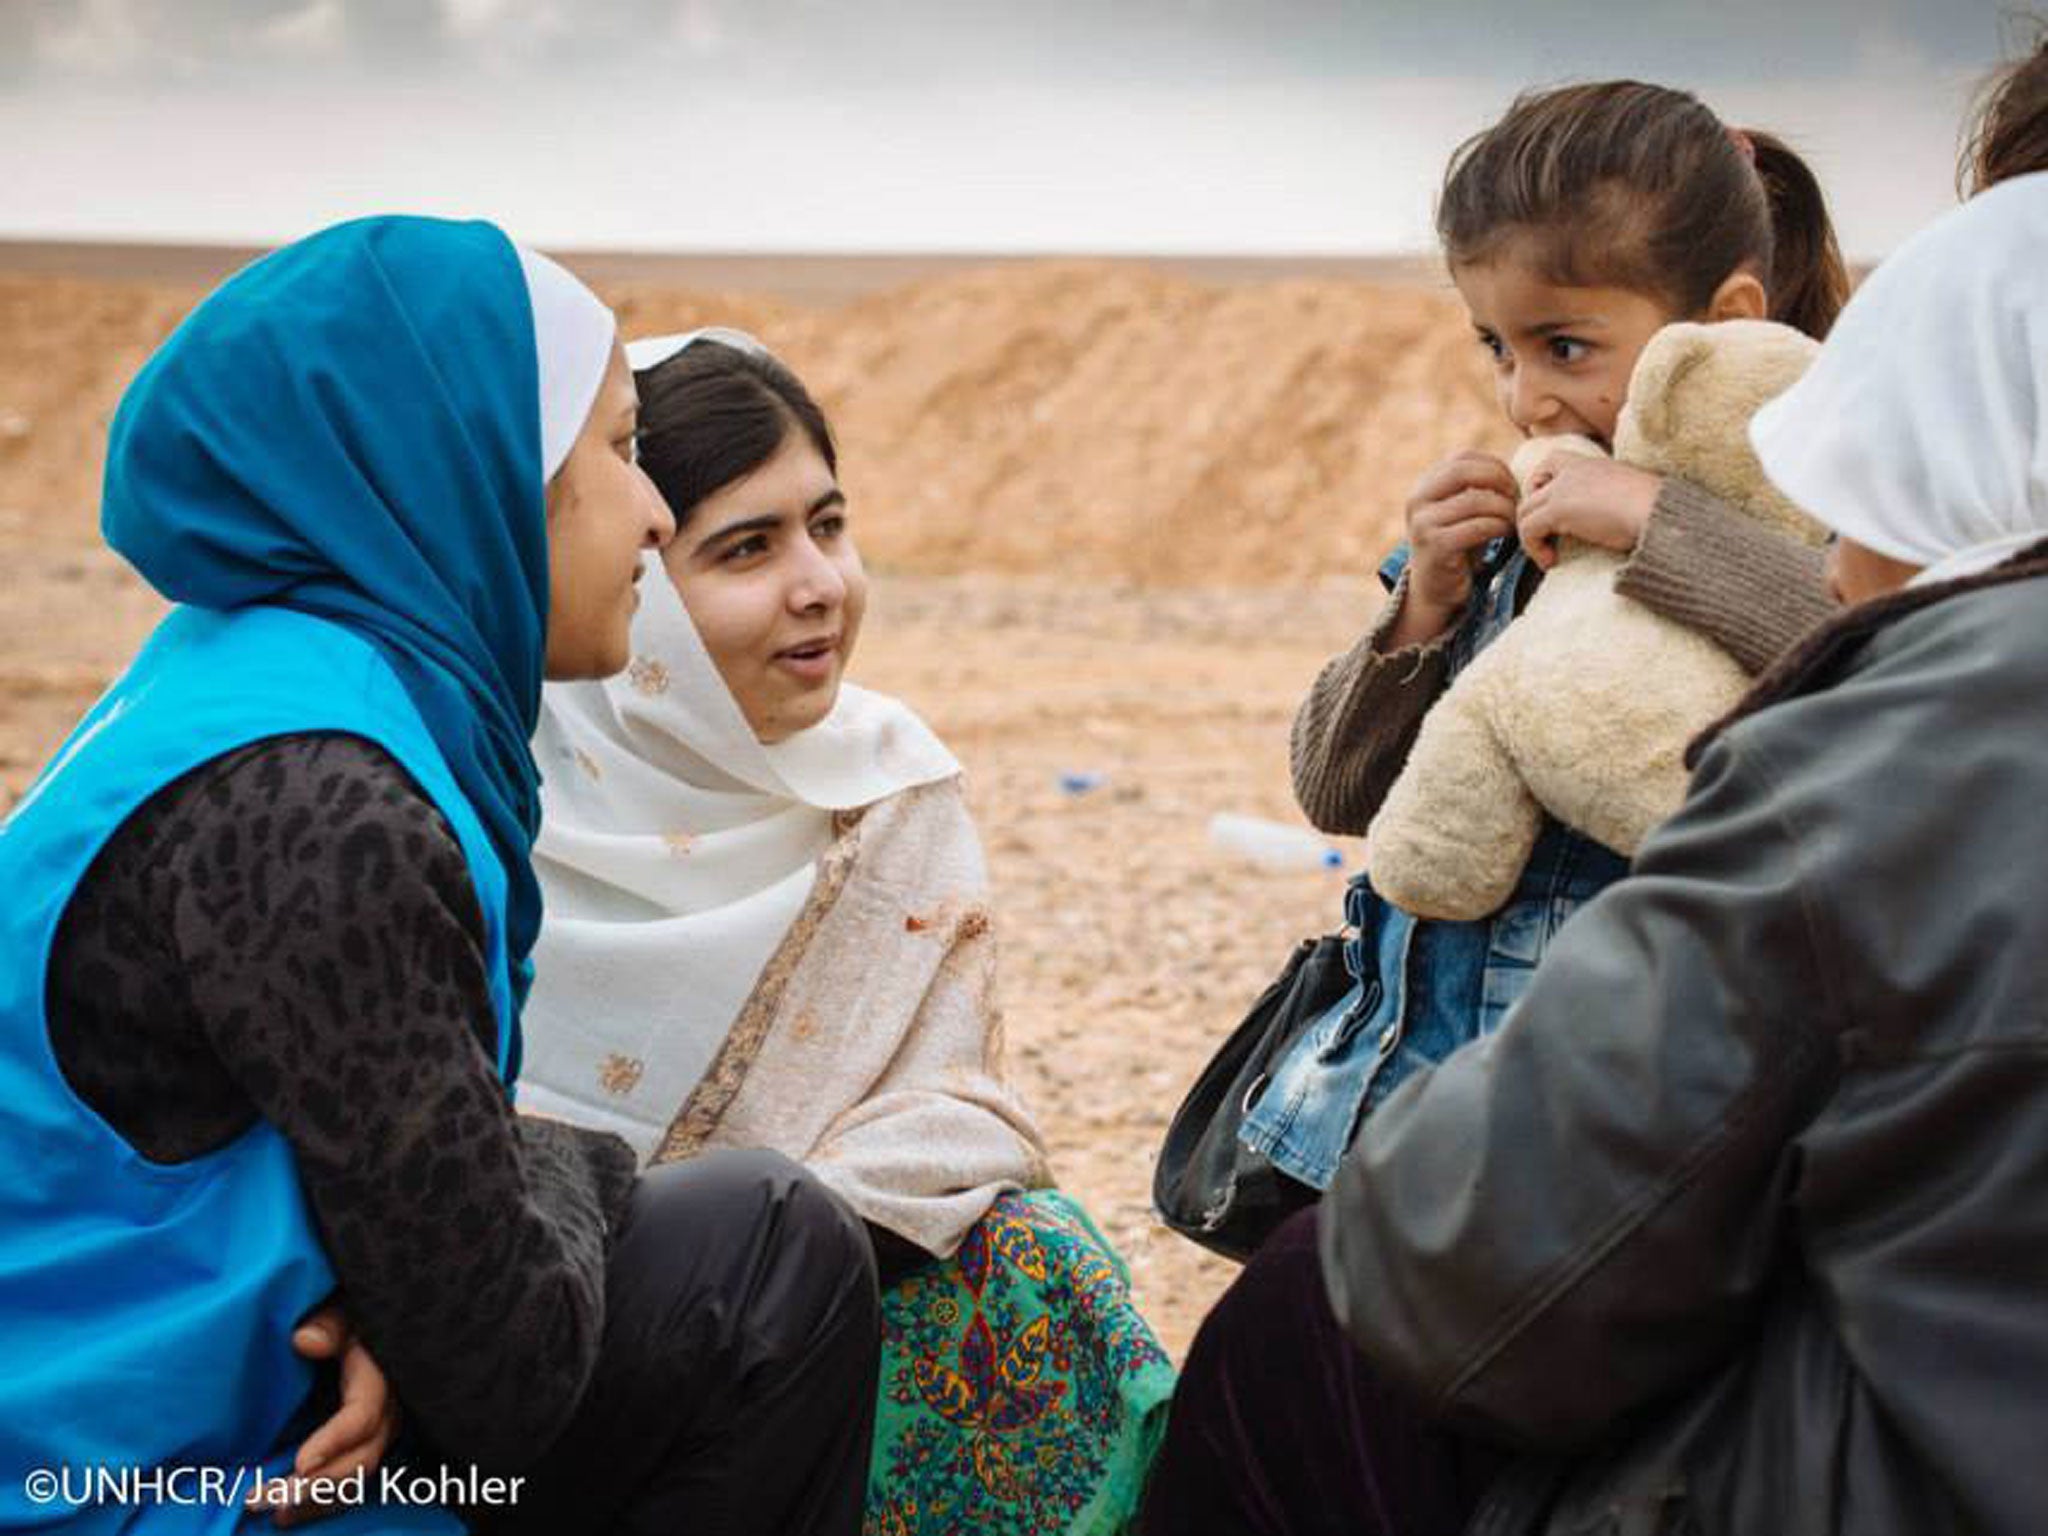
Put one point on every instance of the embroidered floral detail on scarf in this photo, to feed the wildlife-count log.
(647, 676)
(619, 1074)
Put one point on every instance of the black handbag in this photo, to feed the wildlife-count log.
(1207, 1185)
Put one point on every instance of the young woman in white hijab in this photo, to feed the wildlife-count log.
(768, 925)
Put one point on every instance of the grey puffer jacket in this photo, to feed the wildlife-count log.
(1741, 1220)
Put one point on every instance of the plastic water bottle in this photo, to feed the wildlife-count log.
(1272, 843)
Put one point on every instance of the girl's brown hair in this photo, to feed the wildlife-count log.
(1642, 187)
(2009, 129)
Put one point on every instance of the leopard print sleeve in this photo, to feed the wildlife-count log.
(323, 940)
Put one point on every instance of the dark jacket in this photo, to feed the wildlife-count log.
(1742, 1217)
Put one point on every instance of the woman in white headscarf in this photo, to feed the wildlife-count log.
(1736, 1223)
(1917, 435)
(768, 925)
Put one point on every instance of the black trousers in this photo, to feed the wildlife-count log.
(1281, 1428)
(735, 1385)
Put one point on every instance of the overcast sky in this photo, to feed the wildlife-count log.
(1222, 126)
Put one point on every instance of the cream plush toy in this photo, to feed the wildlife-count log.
(1583, 707)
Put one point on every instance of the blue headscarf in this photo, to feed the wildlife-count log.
(351, 428)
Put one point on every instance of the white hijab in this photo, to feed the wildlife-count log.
(1919, 430)
(573, 333)
(676, 849)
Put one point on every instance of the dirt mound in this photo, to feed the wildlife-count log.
(1097, 419)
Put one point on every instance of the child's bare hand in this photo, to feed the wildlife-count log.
(1457, 508)
(361, 1429)
(1597, 500)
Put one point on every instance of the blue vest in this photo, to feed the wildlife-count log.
(146, 1309)
(1420, 988)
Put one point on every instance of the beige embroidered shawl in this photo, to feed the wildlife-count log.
(871, 1048)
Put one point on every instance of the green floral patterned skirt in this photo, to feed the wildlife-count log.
(1021, 1392)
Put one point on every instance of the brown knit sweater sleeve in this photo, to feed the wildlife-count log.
(1750, 589)
(1353, 732)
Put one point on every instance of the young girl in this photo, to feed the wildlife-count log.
(1584, 221)
(1575, 228)
(768, 927)
(1735, 1221)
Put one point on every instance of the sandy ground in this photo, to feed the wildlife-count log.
(1118, 521)
(1129, 945)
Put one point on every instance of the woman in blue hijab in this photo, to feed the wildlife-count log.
(265, 949)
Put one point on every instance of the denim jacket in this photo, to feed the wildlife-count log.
(1420, 988)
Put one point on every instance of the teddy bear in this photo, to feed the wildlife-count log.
(1583, 706)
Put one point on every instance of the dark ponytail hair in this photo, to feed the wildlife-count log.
(1642, 187)
(1805, 276)
(713, 413)
(2009, 129)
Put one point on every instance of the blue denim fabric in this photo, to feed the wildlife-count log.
(1422, 988)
